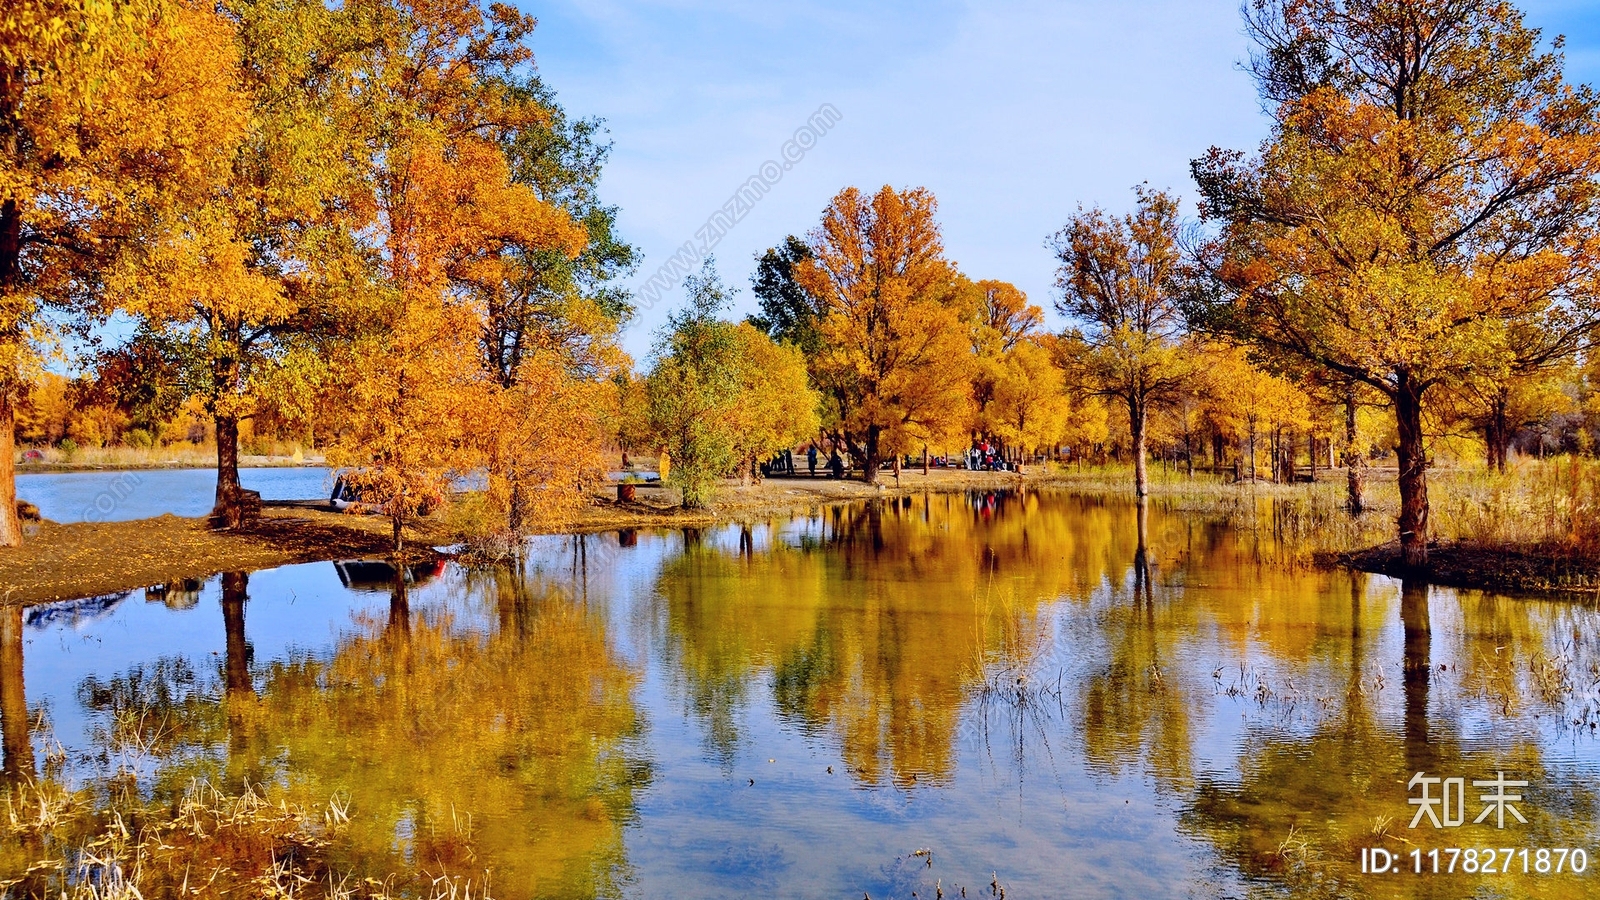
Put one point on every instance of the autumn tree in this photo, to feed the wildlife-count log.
(436, 103)
(108, 113)
(1427, 195)
(894, 358)
(775, 407)
(1030, 408)
(550, 319)
(1497, 409)
(226, 284)
(1016, 394)
(1002, 316)
(1119, 280)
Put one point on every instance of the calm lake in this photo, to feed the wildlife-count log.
(1016, 684)
(120, 496)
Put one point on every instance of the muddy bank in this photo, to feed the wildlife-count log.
(62, 562)
(1538, 570)
(59, 562)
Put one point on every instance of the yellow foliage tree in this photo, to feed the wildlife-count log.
(1030, 408)
(445, 205)
(1119, 280)
(1429, 197)
(895, 356)
(109, 113)
(775, 407)
(230, 282)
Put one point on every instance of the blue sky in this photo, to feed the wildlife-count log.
(1012, 113)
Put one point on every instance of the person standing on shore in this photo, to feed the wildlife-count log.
(811, 459)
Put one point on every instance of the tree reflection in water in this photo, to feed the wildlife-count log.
(876, 626)
(14, 721)
(487, 719)
(455, 751)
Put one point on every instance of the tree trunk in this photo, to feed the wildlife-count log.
(870, 458)
(1413, 458)
(1136, 424)
(236, 662)
(1252, 450)
(399, 543)
(514, 515)
(924, 459)
(10, 524)
(1416, 669)
(1141, 554)
(11, 336)
(226, 512)
(1497, 434)
(399, 628)
(1355, 477)
(14, 721)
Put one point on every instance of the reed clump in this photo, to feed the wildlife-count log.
(112, 845)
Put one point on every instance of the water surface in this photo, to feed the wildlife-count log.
(1049, 693)
(124, 495)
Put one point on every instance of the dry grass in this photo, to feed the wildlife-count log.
(1535, 503)
(209, 844)
(182, 455)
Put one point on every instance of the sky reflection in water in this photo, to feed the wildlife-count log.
(1017, 683)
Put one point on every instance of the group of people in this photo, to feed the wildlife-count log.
(835, 462)
(982, 456)
(986, 457)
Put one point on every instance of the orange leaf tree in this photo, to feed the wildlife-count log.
(894, 357)
(1119, 280)
(109, 113)
(229, 282)
(1426, 203)
(436, 103)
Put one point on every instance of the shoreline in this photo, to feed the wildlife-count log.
(245, 462)
(69, 561)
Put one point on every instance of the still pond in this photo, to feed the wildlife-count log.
(1059, 696)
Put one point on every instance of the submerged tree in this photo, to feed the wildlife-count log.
(1428, 194)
